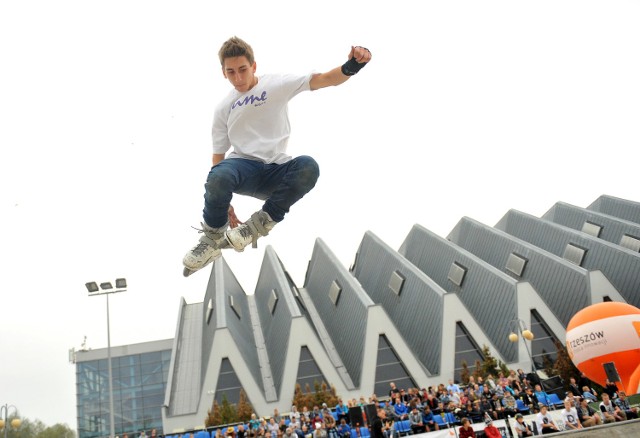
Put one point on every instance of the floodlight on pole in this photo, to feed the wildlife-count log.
(106, 288)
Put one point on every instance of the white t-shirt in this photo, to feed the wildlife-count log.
(546, 419)
(256, 123)
(570, 416)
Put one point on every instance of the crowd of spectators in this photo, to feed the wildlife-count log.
(480, 400)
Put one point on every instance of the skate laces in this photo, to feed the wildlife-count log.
(200, 248)
(245, 231)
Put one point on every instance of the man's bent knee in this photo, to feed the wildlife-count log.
(307, 172)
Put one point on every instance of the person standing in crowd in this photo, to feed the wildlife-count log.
(377, 425)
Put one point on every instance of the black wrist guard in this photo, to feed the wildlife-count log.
(351, 67)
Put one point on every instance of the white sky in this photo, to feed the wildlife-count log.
(468, 108)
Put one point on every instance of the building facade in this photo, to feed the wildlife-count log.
(410, 316)
(140, 373)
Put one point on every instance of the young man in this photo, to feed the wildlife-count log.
(570, 416)
(522, 429)
(623, 403)
(611, 412)
(588, 416)
(545, 422)
(253, 120)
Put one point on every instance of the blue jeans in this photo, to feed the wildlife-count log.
(280, 185)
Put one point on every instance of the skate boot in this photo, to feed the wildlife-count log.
(258, 225)
(207, 251)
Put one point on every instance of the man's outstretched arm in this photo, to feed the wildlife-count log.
(358, 58)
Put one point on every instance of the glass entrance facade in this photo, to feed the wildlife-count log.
(139, 383)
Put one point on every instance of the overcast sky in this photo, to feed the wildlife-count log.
(469, 108)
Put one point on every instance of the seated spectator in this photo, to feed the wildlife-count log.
(294, 417)
(466, 431)
(486, 407)
(330, 426)
(343, 429)
(453, 387)
(587, 415)
(570, 416)
(325, 411)
(589, 394)
(388, 427)
(611, 412)
(428, 420)
(389, 410)
(623, 403)
(486, 392)
(497, 410)
(342, 410)
(401, 411)
(573, 387)
(542, 396)
(522, 429)
(545, 422)
(529, 399)
(509, 405)
(254, 423)
(415, 421)
(490, 431)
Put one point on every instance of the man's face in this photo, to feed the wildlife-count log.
(240, 73)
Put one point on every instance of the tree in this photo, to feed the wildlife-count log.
(228, 411)
(37, 429)
(244, 407)
(214, 417)
(563, 365)
(490, 364)
(464, 373)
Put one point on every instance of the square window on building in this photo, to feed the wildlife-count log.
(273, 300)
(574, 254)
(209, 310)
(235, 307)
(516, 264)
(592, 229)
(334, 292)
(396, 282)
(630, 242)
(457, 273)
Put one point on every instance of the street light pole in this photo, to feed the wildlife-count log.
(4, 418)
(527, 335)
(107, 289)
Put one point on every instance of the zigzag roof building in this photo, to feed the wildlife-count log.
(410, 316)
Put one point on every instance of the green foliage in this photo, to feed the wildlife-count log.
(228, 411)
(37, 429)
